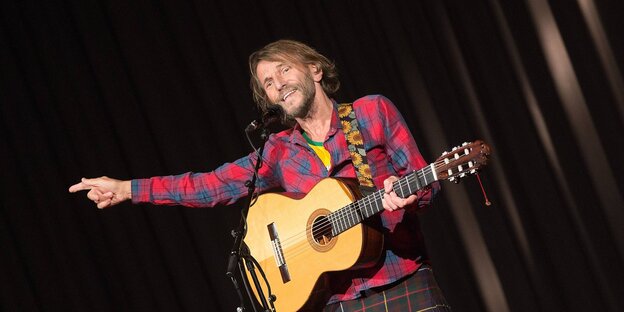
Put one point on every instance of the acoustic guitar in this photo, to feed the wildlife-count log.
(299, 241)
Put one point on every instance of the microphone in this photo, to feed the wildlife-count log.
(273, 114)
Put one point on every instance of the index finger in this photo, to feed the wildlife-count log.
(388, 182)
(80, 186)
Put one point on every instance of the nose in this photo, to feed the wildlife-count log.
(279, 82)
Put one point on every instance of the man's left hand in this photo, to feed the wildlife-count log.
(391, 201)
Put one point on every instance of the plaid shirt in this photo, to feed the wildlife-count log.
(291, 164)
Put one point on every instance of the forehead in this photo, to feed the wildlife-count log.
(266, 67)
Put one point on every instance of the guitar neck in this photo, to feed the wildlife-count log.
(360, 210)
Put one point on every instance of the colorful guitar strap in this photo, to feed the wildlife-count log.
(355, 143)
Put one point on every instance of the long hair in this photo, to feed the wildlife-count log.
(295, 52)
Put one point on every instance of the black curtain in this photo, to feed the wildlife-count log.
(141, 88)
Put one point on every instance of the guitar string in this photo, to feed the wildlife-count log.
(353, 211)
(344, 215)
(349, 210)
(299, 250)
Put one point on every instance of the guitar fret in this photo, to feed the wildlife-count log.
(350, 216)
(343, 222)
(378, 200)
(403, 190)
(338, 227)
(370, 205)
(358, 211)
(376, 206)
(418, 180)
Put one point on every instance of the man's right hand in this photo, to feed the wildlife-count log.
(104, 191)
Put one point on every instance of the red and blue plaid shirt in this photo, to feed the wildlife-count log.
(290, 164)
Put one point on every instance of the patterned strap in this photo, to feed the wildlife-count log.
(355, 141)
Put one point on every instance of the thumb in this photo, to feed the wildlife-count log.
(89, 182)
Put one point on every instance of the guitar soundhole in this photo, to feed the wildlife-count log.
(322, 231)
(319, 231)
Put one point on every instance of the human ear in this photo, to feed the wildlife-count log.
(316, 71)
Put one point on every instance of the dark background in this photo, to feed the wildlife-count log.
(137, 88)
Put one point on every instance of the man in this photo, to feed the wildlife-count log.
(301, 81)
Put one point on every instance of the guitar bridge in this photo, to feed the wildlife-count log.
(278, 253)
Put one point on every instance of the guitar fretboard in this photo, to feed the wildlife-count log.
(360, 210)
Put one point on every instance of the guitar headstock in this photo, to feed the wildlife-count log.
(462, 161)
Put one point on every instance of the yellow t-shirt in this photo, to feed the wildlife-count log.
(320, 150)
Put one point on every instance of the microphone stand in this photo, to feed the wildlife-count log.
(240, 251)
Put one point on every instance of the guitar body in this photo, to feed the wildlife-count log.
(286, 236)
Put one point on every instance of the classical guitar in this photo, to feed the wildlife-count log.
(298, 242)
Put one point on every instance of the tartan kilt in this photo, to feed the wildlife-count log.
(416, 292)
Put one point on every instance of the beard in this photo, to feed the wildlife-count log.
(301, 110)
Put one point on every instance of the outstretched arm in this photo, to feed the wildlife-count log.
(104, 191)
